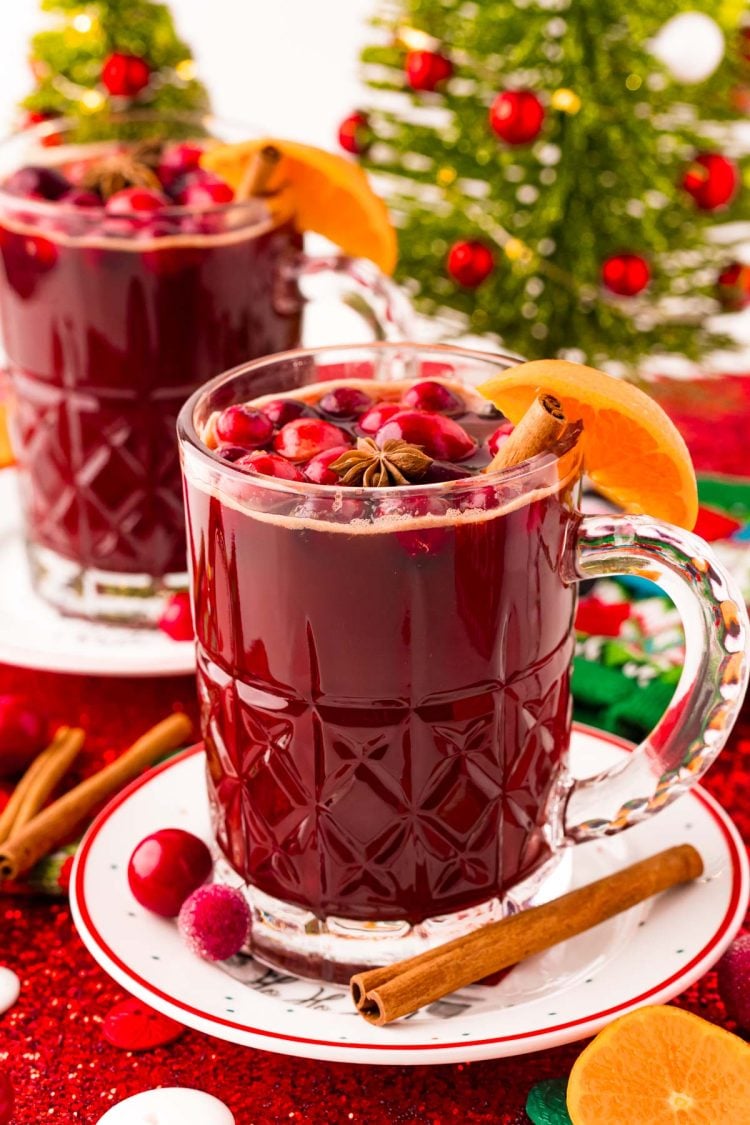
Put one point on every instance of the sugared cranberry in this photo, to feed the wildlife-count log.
(166, 868)
(244, 425)
(438, 436)
(345, 402)
(77, 197)
(318, 470)
(37, 182)
(202, 189)
(270, 465)
(377, 416)
(283, 410)
(136, 201)
(433, 397)
(177, 160)
(177, 619)
(499, 437)
(305, 438)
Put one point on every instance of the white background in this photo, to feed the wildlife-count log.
(289, 66)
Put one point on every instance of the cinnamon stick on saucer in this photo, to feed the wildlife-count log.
(55, 823)
(384, 995)
(40, 780)
(542, 425)
(258, 173)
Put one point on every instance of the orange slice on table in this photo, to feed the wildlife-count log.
(331, 195)
(632, 451)
(661, 1066)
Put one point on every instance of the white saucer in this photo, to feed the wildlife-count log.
(34, 635)
(645, 956)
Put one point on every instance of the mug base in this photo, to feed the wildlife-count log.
(294, 940)
(100, 595)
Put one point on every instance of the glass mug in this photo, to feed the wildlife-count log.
(386, 698)
(108, 325)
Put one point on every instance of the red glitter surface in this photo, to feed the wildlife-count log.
(64, 1071)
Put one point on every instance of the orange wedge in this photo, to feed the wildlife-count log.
(331, 195)
(6, 453)
(631, 449)
(661, 1066)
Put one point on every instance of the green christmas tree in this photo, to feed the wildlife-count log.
(110, 55)
(555, 184)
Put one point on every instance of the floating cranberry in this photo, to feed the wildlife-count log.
(345, 402)
(23, 733)
(440, 471)
(244, 425)
(305, 438)
(377, 416)
(438, 436)
(270, 465)
(231, 453)
(178, 160)
(35, 182)
(177, 619)
(283, 410)
(433, 397)
(136, 201)
(499, 437)
(318, 469)
(204, 190)
(215, 922)
(77, 197)
(166, 867)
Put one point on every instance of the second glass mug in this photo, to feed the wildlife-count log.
(108, 328)
(385, 694)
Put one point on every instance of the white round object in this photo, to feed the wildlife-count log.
(169, 1105)
(691, 45)
(645, 956)
(34, 635)
(10, 987)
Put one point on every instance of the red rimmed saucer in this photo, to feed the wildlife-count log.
(645, 956)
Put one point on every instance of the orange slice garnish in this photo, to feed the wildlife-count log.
(632, 451)
(331, 195)
(6, 453)
(663, 1066)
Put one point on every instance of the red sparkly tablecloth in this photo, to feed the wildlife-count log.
(64, 1071)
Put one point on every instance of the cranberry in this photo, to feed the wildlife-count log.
(304, 438)
(270, 465)
(166, 868)
(77, 197)
(499, 437)
(231, 452)
(440, 471)
(35, 182)
(433, 397)
(176, 619)
(318, 471)
(345, 402)
(204, 190)
(244, 425)
(283, 410)
(136, 201)
(23, 733)
(377, 416)
(438, 436)
(177, 160)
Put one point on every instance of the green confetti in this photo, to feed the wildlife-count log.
(546, 1104)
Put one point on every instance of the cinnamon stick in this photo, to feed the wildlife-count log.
(258, 173)
(542, 425)
(40, 779)
(53, 824)
(386, 994)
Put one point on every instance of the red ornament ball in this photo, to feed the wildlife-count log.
(166, 867)
(355, 134)
(125, 75)
(734, 981)
(626, 274)
(132, 1026)
(712, 180)
(470, 262)
(177, 619)
(7, 1099)
(743, 43)
(427, 70)
(23, 733)
(733, 287)
(215, 922)
(517, 116)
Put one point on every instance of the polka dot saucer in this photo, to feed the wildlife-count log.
(645, 956)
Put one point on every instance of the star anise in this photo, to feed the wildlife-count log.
(398, 462)
(135, 167)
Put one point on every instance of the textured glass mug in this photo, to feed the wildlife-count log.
(108, 325)
(385, 691)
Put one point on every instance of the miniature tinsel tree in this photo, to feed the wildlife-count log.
(556, 167)
(107, 56)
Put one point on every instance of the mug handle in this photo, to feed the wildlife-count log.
(356, 283)
(710, 691)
